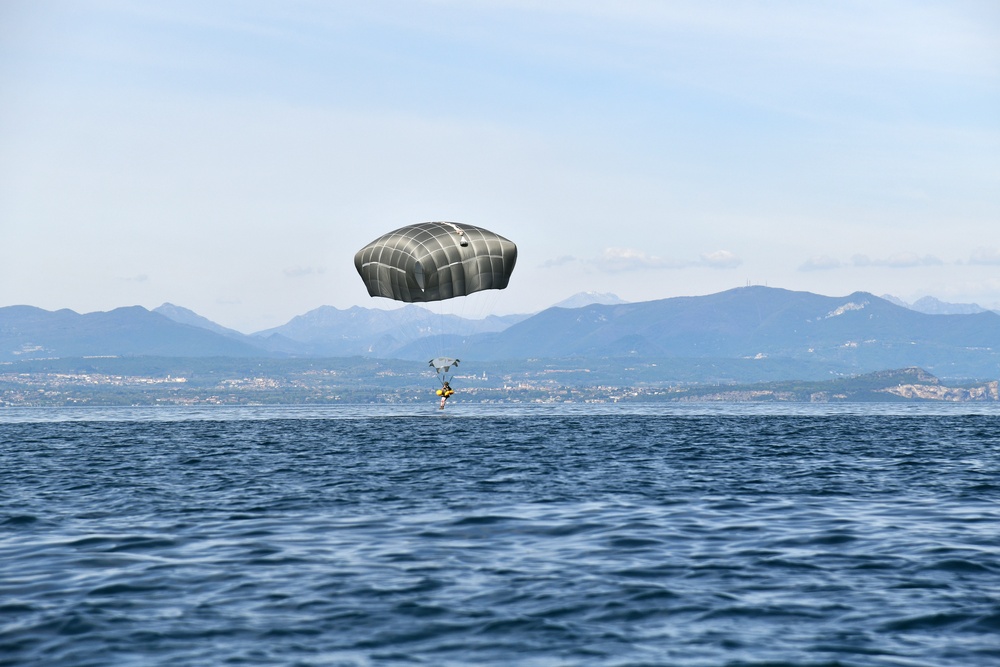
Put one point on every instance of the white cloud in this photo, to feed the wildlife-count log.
(629, 259)
(820, 263)
(901, 260)
(558, 261)
(861, 260)
(721, 259)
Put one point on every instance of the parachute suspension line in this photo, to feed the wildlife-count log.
(460, 321)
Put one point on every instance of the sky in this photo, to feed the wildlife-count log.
(231, 157)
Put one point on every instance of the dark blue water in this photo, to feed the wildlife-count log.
(639, 536)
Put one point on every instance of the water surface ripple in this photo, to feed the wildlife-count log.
(497, 539)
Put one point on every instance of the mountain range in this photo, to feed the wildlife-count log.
(808, 334)
(933, 306)
(860, 332)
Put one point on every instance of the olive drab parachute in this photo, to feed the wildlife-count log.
(433, 261)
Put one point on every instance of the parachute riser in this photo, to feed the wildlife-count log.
(443, 367)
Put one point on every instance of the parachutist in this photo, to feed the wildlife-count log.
(444, 392)
(436, 261)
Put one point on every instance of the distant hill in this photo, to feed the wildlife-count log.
(30, 333)
(783, 333)
(329, 331)
(27, 332)
(582, 299)
(905, 384)
(857, 333)
(933, 306)
(185, 316)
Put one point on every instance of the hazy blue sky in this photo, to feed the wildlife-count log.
(230, 157)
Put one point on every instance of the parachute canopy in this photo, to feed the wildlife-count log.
(433, 261)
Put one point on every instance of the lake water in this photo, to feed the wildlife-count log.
(559, 535)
